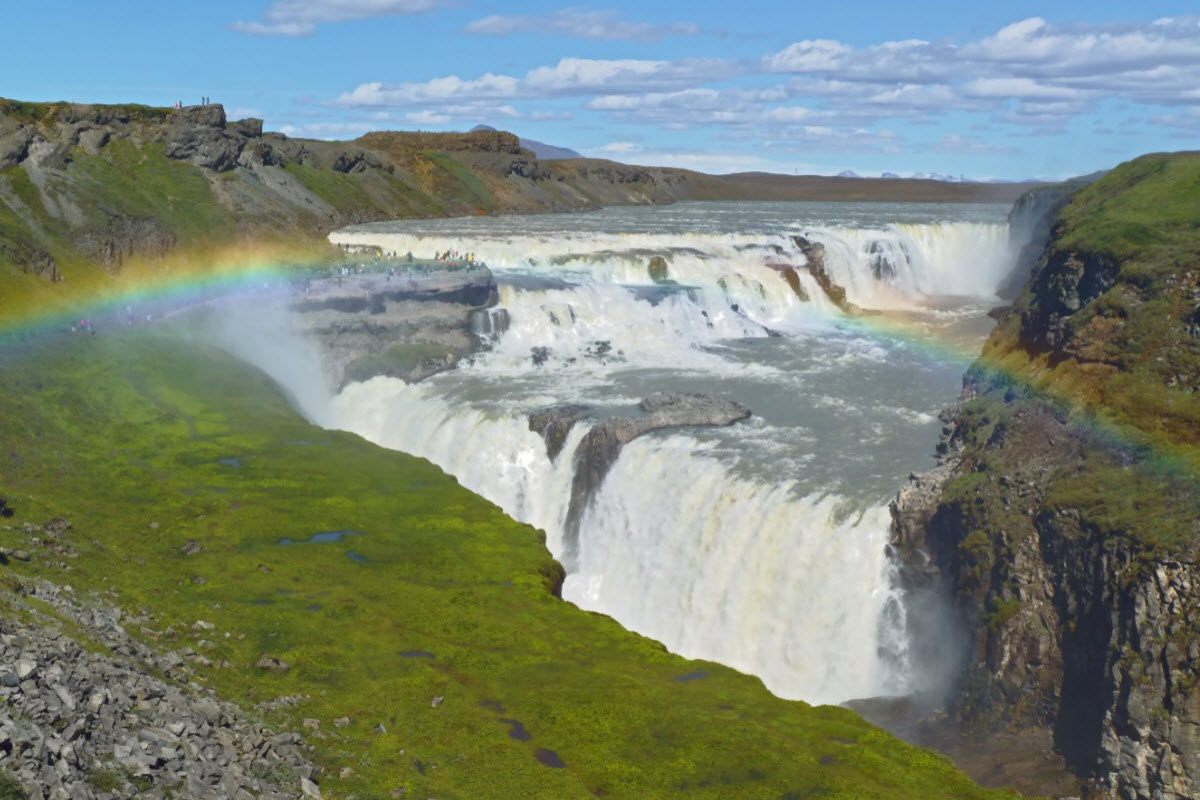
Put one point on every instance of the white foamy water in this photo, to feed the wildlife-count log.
(761, 545)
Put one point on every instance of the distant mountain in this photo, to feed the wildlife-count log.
(540, 149)
(848, 173)
(891, 175)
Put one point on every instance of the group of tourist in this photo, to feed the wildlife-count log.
(454, 255)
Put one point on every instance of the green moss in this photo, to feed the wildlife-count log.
(9, 788)
(104, 779)
(119, 431)
(1002, 611)
(978, 558)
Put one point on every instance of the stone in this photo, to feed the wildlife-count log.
(26, 668)
(192, 547)
(379, 728)
(309, 789)
(271, 664)
(435, 702)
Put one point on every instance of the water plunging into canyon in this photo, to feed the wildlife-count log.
(761, 545)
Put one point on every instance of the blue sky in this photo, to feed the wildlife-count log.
(986, 90)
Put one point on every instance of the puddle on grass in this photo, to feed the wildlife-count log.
(323, 538)
(548, 758)
(298, 443)
(418, 654)
(233, 461)
(517, 731)
(357, 558)
(691, 676)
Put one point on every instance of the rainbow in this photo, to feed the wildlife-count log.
(192, 279)
(144, 288)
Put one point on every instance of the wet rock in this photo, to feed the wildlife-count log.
(792, 279)
(878, 261)
(602, 444)
(657, 268)
(814, 256)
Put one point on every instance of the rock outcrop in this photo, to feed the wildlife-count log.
(1066, 551)
(598, 450)
(414, 323)
(814, 258)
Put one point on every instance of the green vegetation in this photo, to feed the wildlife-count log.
(44, 113)
(10, 789)
(1124, 375)
(146, 441)
(103, 779)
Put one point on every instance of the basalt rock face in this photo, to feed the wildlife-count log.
(1068, 552)
(598, 450)
(409, 325)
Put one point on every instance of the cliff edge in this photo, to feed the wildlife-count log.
(1063, 523)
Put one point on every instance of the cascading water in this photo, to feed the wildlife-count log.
(761, 545)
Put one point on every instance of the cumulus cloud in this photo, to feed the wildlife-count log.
(1046, 69)
(301, 17)
(580, 23)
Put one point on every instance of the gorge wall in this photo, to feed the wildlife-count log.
(1063, 522)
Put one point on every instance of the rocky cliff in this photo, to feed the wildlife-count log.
(1063, 523)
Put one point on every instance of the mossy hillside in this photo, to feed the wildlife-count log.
(1125, 375)
(1132, 355)
(121, 431)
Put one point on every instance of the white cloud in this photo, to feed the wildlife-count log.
(1046, 69)
(569, 77)
(301, 17)
(715, 163)
(957, 143)
(450, 88)
(580, 23)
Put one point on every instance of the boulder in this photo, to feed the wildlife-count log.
(272, 664)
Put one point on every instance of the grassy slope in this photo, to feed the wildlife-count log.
(1128, 375)
(118, 431)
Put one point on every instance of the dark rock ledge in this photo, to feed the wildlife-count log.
(602, 444)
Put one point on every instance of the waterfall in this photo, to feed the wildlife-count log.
(788, 587)
(764, 545)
